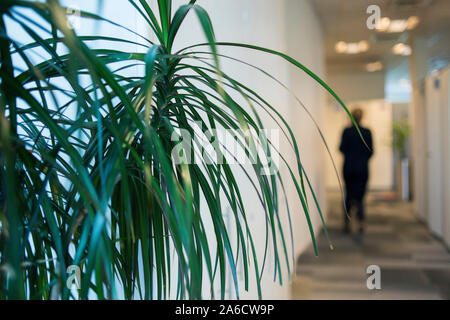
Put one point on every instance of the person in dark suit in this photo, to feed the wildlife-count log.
(356, 169)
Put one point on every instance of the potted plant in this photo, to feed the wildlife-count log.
(88, 169)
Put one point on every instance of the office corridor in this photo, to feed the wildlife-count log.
(414, 265)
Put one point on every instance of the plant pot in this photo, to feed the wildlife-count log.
(405, 187)
(402, 175)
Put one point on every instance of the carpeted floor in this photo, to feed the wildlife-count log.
(413, 264)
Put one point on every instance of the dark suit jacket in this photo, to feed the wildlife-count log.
(356, 153)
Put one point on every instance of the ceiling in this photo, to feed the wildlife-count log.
(345, 20)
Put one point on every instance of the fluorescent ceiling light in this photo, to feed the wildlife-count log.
(340, 47)
(374, 66)
(396, 26)
(412, 22)
(402, 49)
(363, 46)
(383, 24)
(351, 47)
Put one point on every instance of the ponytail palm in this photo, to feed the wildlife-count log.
(88, 172)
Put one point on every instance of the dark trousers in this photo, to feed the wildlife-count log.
(355, 189)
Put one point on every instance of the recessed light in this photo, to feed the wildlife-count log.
(363, 46)
(412, 22)
(396, 26)
(351, 47)
(340, 47)
(402, 49)
(374, 66)
(383, 24)
(398, 48)
(407, 51)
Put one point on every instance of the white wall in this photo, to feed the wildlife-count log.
(434, 154)
(378, 118)
(445, 77)
(419, 151)
(304, 43)
(430, 142)
(290, 27)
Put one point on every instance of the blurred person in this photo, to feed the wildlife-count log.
(356, 169)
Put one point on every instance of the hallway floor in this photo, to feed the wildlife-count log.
(414, 265)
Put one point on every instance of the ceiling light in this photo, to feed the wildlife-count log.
(374, 66)
(340, 47)
(363, 46)
(402, 49)
(351, 47)
(407, 51)
(398, 48)
(396, 26)
(412, 22)
(383, 24)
